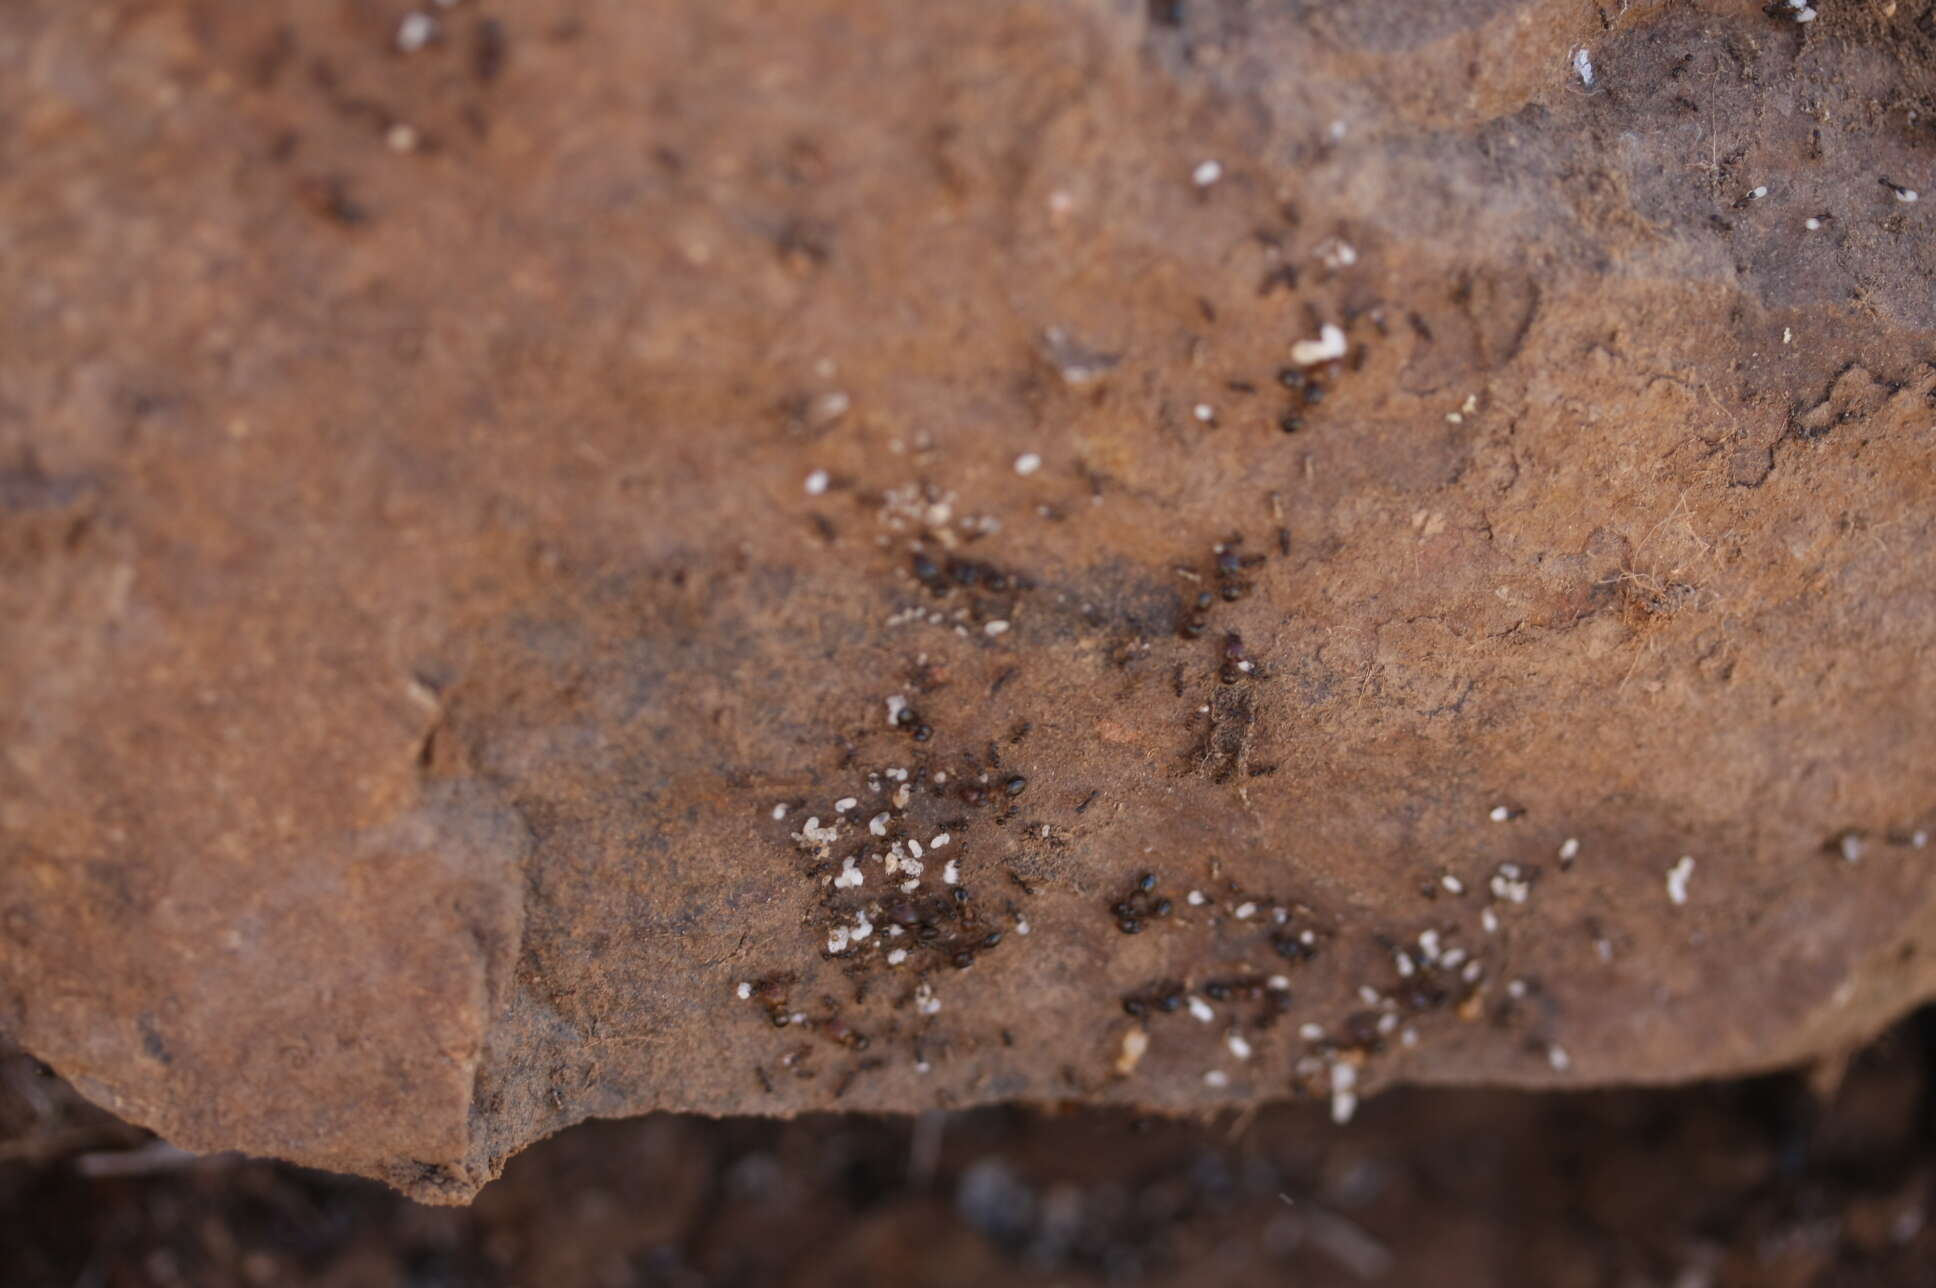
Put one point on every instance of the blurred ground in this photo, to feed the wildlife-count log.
(1759, 1182)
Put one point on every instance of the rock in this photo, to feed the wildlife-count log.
(450, 591)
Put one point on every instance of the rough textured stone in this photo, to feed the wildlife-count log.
(419, 584)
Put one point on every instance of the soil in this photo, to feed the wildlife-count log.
(1763, 1183)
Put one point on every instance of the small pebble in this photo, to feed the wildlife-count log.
(1583, 66)
(1328, 347)
(1344, 1100)
(1677, 877)
(1135, 1046)
(415, 31)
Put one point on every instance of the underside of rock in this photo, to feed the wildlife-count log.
(560, 560)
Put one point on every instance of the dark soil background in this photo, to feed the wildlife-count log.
(1782, 1180)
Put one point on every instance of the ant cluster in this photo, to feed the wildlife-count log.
(1229, 574)
(914, 926)
(947, 574)
(1169, 996)
(993, 593)
(1306, 390)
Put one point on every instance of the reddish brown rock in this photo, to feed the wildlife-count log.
(453, 497)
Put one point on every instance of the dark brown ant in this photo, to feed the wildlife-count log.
(845, 1034)
(1165, 996)
(965, 572)
(1284, 277)
(1423, 994)
(1235, 665)
(1292, 948)
(1361, 1031)
(1193, 625)
(928, 573)
(1137, 906)
(1229, 563)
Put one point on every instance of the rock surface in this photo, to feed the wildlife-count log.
(469, 513)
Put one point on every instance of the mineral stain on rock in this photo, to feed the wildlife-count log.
(733, 654)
